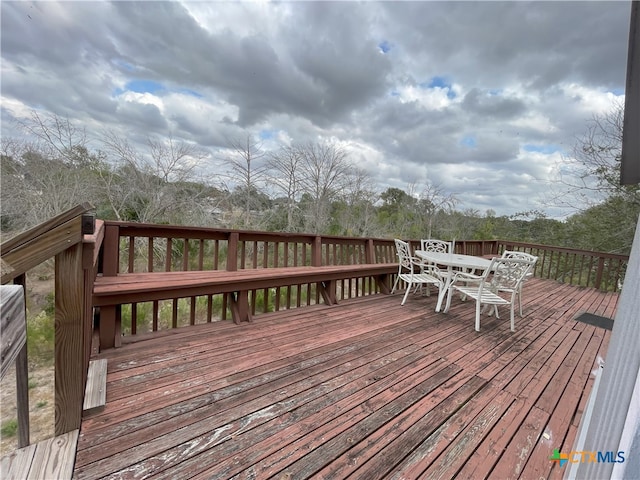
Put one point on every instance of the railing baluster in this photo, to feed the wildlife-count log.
(167, 263)
(151, 255)
(132, 254)
(185, 255)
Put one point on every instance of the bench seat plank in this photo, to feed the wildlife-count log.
(110, 291)
(143, 287)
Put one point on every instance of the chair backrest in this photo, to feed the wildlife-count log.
(435, 246)
(507, 273)
(526, 256)
(404, 253)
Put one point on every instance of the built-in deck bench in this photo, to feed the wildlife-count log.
(111, 291)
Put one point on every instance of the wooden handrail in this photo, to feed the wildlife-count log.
(63, 238)
(32, 247)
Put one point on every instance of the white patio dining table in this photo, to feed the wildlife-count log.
(451, 261)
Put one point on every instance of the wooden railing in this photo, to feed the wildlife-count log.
(603, 271)
(108, 248)
(134, 248)
(75, 256)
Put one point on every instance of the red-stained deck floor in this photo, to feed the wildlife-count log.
(365, 389)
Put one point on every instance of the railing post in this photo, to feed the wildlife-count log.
(91, 248)
(110, 328)
(69, 336)
(232, 251)
(598, 282)
(316, 251)
(369, 251)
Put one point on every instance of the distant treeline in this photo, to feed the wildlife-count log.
(312, 188)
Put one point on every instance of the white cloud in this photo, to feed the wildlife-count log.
(302, 71)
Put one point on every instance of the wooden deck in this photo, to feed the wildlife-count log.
(365, 389)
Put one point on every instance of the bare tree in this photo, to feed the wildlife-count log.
(246, 171)
(284, 177)
(434, 201)
(58, 135)
(325, 168)
(154, 185)
(358, 218)
(49, 172)
(592, 173)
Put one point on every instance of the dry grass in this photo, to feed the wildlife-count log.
(41, 406)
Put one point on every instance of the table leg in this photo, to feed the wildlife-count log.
(445, 289)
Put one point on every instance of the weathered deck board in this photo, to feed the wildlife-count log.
(364, 389)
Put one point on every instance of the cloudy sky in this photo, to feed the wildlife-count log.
(482, 99)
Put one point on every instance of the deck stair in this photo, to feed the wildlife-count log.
(50, 458)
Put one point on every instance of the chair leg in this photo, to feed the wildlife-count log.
(449, 295)
(513, 324)
(478, 315)
(406, 294)
(520, 299)
(395, 284)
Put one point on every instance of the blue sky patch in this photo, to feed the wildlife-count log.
(618, 92)
(267, 134)
(469, 141)
(546, 149)
(384, 46)
(440, 82)
(143, 86)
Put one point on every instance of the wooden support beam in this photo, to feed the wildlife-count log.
(328, 291)
(69, 336)
(240, 310)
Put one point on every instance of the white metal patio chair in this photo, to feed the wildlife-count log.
(412, 272)
(527, 256)
(431, 245)
(499, 285)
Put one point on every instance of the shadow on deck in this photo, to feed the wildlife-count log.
(366, 388)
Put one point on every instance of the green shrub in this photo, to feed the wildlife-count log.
(41, 338)
(9, 428)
